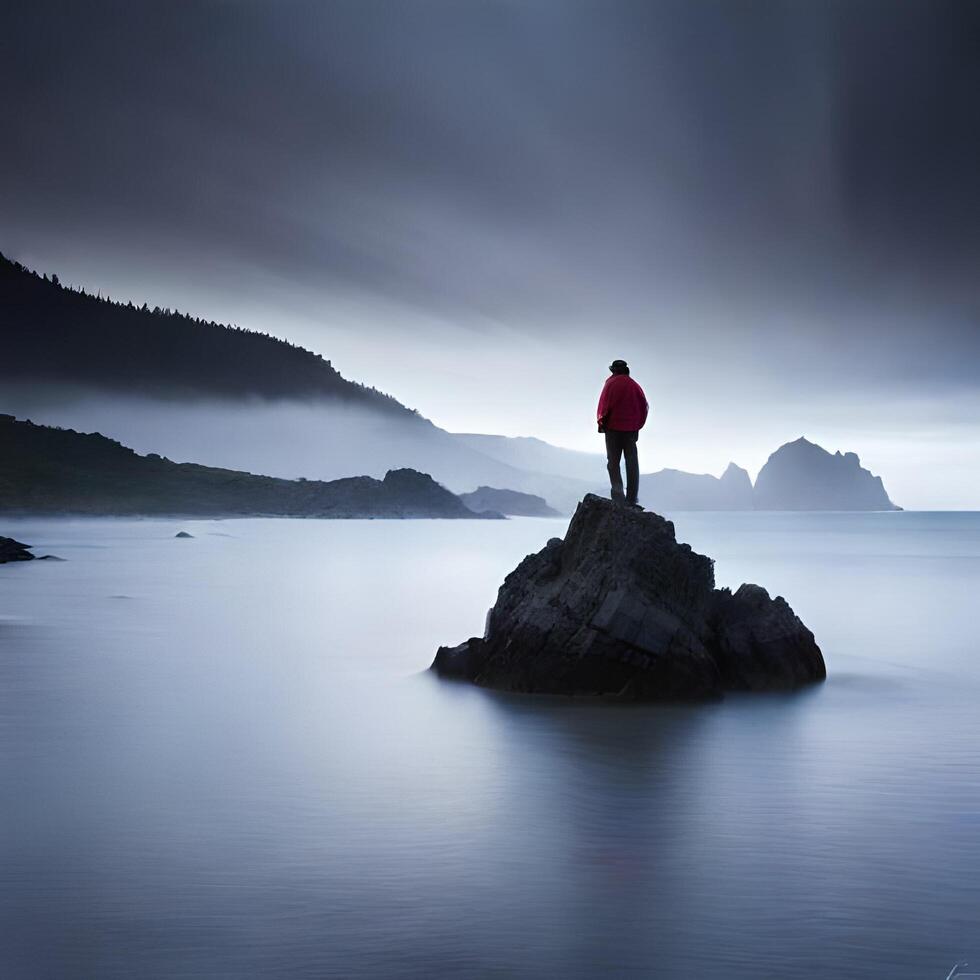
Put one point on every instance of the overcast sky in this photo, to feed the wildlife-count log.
(771, 210)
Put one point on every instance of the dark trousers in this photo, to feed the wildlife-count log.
(620, 444)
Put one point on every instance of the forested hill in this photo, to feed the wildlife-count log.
(50, 332)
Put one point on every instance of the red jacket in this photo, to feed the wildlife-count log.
(622, 404)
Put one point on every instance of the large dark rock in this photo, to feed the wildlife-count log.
(11, 550)
(759, 643)
(620, 608)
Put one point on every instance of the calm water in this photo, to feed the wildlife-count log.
(219, 758)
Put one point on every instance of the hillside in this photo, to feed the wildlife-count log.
(46, 470)
(49, 332)
(537, 456)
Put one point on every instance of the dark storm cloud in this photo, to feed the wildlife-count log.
(535, 160)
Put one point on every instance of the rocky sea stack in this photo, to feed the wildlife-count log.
(619, 608)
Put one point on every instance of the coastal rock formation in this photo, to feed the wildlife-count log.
(620, 608)
(759, 643)
(510, 502)
(11, 550)
(804, 476)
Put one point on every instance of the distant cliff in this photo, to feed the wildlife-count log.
(507, 502)
(803, 476)
(677, 490)
(47, 470)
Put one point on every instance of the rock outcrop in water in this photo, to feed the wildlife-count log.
(11, 550)
(620, 608)
(804, 476)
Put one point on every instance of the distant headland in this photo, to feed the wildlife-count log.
(60, 471)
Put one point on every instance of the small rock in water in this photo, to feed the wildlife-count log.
(11, 550)
(619, 608)
(183, 534)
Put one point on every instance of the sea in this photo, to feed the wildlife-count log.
(223, 757)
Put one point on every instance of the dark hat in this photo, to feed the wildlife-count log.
(619, 367)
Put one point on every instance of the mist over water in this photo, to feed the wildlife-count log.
(330, 439)
(315, 439)
(219, 757)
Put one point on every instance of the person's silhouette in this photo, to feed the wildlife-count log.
(621, 414)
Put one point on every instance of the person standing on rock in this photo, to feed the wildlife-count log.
(621, 414)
